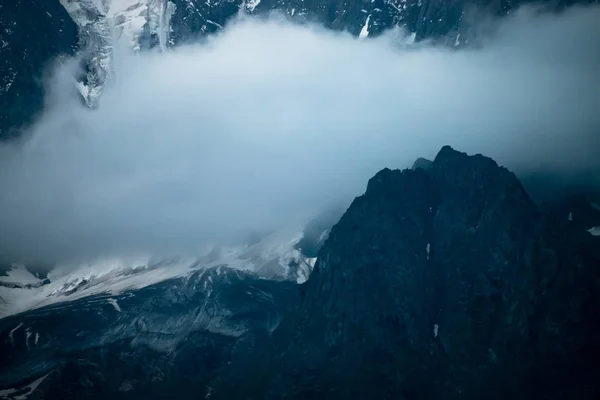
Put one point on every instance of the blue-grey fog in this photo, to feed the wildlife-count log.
(267, 123)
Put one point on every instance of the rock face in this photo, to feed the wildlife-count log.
(32, 34)
(168, 339)
(446, 283)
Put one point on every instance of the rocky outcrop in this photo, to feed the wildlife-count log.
(446, 283)
(32, 35)
(168, 339)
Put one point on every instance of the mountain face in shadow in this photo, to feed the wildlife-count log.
(445, 282)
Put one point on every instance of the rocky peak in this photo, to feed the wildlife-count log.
(440, 284)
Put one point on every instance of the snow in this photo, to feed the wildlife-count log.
(364, 32)
(570, 216)
(271, 256)
(410, 39)
(37, 338)
(595, 231)
(214, 23)
(323, 236)
(20, 275)
(27, 336)
(251, 5)
(457, 41)
(109, 26)
(436, 329)
(12, 332)
(114, 303)
(428, 248)
(309, 265)
(29, 389)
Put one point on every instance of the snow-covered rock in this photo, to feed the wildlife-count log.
(107, 27)
(274, 256)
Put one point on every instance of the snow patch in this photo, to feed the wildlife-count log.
(251, 5)
(457, 40)
(595, 231)
(26, 391)
(428, 248)
(570, 216)
(410, 39)
(20, 275)
(364, 32)
(269, 257)
(12, 332)
(436, 329)
(27, 336)
(114, 303)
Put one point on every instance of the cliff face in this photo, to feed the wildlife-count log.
(439, 284)
(32, 34)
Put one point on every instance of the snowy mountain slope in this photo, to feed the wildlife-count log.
(109, 26)
(167, 335)
(274, 257)
(32, 35)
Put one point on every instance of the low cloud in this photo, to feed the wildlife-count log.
(269, 123)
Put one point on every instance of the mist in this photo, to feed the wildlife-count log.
(268, 123)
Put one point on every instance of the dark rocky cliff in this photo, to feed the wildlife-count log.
(446, 283)
(32, 34)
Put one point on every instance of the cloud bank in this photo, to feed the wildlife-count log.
(269, 123)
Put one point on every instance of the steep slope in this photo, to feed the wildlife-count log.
(168, 339)
(440, 283)
(32, 34)
(273, 255)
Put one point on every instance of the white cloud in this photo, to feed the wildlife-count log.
(270, 122)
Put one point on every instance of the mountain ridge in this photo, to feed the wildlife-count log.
(96, 28)
(446, 283)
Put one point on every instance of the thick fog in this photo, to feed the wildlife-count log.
(268, 123)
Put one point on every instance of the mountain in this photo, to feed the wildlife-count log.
(33, 34)
(443, 281)
(273, 255)
(164, 340)
(440, 283)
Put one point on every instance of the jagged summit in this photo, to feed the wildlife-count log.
(441, 284)
(446, 282)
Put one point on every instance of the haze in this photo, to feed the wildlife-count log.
(268, 123)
